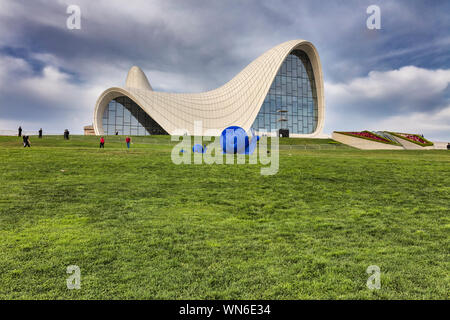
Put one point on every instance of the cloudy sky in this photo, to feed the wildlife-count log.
(396, 78)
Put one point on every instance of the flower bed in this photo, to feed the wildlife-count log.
(368, 136)
(414, 138)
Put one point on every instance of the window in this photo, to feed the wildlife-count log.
(293, 91)
(126, 117)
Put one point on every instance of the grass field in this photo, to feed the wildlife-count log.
(140, 227)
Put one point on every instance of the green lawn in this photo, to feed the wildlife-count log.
(140, 227)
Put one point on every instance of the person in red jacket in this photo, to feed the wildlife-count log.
(128, 140)
(102, 142)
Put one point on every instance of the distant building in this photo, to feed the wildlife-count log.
(281, 90)
(89, 131)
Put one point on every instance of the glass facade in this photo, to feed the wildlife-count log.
(292, 99)
(125, 117)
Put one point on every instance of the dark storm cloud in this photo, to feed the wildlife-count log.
(203, 43)
(194, 45)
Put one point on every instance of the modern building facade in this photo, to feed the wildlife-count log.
(281, 89)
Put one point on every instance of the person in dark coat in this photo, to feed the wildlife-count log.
(20, 131)
(40, 133)
(448, 146)
(26, 141)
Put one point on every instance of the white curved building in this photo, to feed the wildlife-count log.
(281, 89)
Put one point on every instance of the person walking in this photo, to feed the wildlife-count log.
(40, 133)
(102, 143)
(20, 131)
(26, 141)
(128, 140)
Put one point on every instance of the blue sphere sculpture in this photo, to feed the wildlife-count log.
(199, 148)
(234, 140)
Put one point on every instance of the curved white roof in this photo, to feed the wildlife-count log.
(235, 103)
